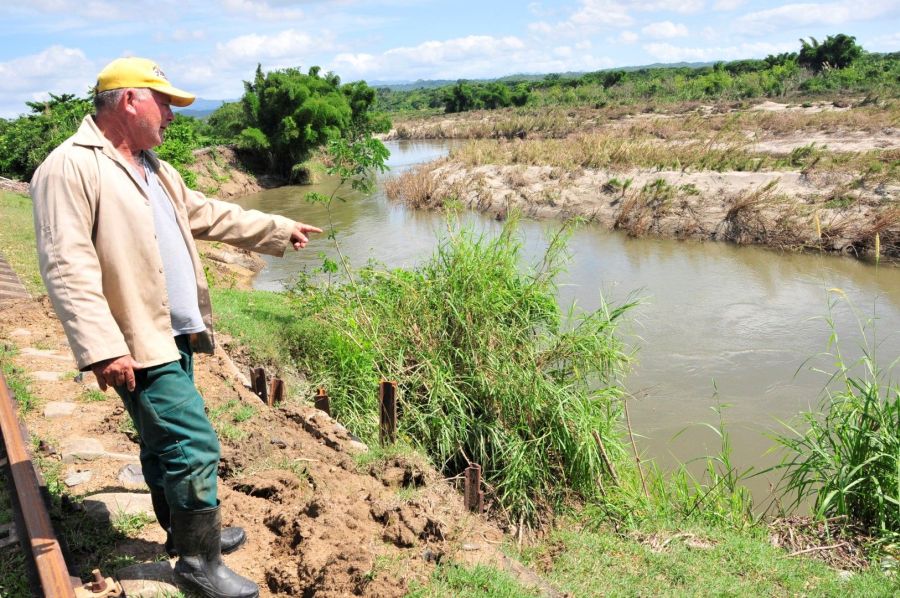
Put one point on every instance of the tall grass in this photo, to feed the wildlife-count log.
(846, 457)
(490, 369)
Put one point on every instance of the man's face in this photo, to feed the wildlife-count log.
(153, 114)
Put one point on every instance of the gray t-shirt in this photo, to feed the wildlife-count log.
(181, 283)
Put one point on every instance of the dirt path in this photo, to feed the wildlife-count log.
(321, 520)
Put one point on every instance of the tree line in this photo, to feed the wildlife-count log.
(836, 65)
(282, 118)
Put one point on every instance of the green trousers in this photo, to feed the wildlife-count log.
(179, 448)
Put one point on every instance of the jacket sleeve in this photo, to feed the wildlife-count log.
(64, 202)
(216, 220)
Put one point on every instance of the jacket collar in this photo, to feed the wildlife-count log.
(90, 135)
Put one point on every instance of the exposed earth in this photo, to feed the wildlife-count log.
(323, 517)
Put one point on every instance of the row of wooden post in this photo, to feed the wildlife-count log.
(387, 423)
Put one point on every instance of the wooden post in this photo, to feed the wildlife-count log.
(387, 400)
(322, 401)
(474, 496)
(258, 383)
(276, 392)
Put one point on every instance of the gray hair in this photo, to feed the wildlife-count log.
(107, 100)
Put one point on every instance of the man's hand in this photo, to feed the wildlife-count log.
(298, 235)
(118, 371)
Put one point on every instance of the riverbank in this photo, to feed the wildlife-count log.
(818, 177)
(273, 459)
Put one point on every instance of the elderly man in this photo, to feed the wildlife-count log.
(115, 228)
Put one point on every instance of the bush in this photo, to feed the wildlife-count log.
(847, 456)
(489, 370)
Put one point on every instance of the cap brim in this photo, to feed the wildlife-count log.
(178, 97)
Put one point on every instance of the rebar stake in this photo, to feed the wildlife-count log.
(474, 496)
(387, 399)
(322, 402)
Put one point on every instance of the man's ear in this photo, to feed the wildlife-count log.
(129, 99)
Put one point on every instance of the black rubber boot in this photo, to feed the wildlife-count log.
(232, 537)
(200, 567)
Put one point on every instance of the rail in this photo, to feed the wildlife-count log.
(38, 535)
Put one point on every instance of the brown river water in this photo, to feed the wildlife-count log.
(742, 327)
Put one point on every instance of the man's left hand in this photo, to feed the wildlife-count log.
(298, 235)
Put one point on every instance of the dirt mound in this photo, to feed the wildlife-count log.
(323, 516)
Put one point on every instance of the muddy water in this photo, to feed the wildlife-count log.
(741, 327)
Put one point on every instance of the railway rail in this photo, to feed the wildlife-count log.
(34, 528)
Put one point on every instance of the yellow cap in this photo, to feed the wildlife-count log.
(140, 72)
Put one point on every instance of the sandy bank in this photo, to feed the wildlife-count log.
(783, 209)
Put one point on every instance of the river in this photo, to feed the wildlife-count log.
(718, 324)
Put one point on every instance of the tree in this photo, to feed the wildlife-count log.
(27, 140)
(837, 51)
(460, 98)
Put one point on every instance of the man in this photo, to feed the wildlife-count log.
(115, 229)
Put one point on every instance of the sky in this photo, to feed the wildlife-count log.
(210, 47)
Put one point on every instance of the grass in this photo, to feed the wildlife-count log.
(17, 240)
(846, 455)
(19, 384)
(14, 579)
(489, 369)
(470, 582)
(226, 419)
(688, 561)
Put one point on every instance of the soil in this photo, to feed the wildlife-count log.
(221, 174)
(833, 212)
(319, 521)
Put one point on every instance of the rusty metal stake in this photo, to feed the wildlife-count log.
(258, 383)
(474, 496)
(276, 392)
(387, 399)
(322, 402)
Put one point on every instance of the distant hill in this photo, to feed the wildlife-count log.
(431, 83)
(201, 108)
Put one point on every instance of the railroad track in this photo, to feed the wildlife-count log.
(33, 527)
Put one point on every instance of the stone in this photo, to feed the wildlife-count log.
(45, 353)
(148, 579)
(42, 376)
(82, 449)
(132, 475)
(59, 409)
(278, 443)
(358, 446)
(471, 547)
(78, 477)
(20, 332)
(109, 505)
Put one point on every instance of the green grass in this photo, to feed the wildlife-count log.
(226, 419)
(471, 582)
(489, 369)
(689, 561)
(19, 384)
(17, 240)
(846, 455)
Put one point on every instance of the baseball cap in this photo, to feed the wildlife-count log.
(140, 72)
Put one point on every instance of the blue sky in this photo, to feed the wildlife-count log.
(210, 47)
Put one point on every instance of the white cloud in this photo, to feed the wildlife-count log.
(253, 47)
(834, 13)
(183, 35)
(592, 16)
(261, 9)
(883, 43)
(54, 70)
(726, 5)
(666, 52)
(466, 57)
(92, 9)
(679, 6)
(664, 30)
(628, 37)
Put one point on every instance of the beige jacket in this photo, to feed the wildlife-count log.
(99, 256)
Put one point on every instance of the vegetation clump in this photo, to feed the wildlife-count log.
(490, 370)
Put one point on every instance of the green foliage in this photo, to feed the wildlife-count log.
(476, 582)
(17, 240)
(846, 456)
(837, 52)
(489, 369)
(182, 137)
(27, 140)
(226, 123)
(287, 114)
(836, 65)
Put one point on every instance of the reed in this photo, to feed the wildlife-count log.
(845, 457)
(490, 370)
